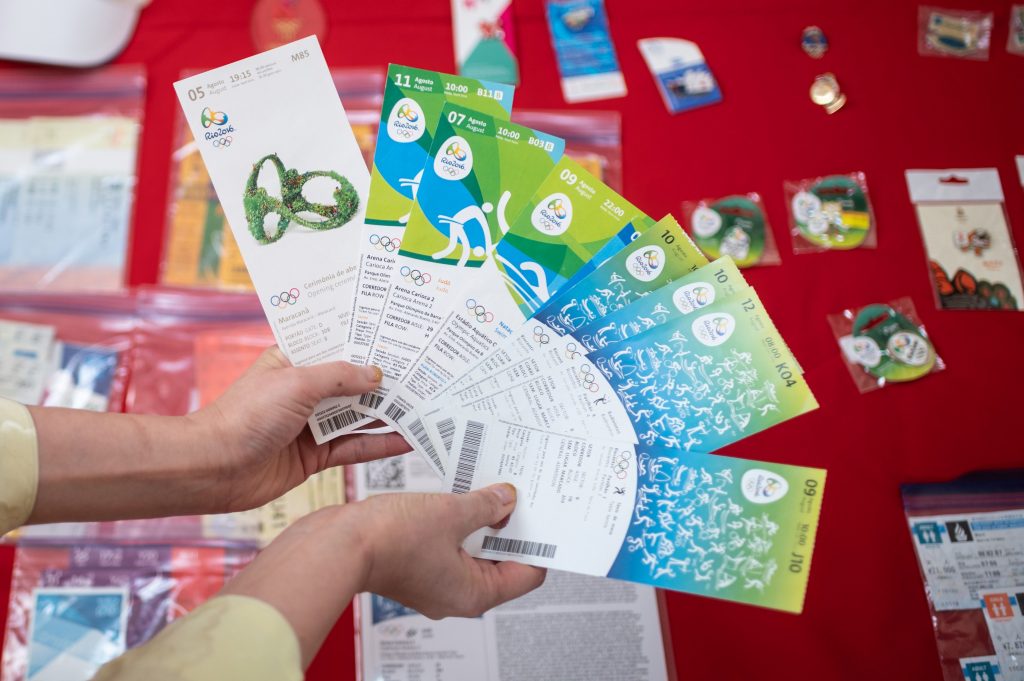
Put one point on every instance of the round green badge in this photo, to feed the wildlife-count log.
(833, 213)
(732, 226)
(890, 346)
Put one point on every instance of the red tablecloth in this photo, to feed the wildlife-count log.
(866, 615)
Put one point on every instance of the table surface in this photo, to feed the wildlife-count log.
(866, 615)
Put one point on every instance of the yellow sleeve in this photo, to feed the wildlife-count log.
(19, 465)
(228, 637)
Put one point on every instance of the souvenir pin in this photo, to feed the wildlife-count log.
(890, 346)
(733, 226)
(814, 42)
(825, 92)
(832, 212)
(956, 35)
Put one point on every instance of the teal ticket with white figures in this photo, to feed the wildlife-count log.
(706, 524)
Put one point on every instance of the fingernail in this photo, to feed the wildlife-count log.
(506, 493)
(503, 523)
(374, 373)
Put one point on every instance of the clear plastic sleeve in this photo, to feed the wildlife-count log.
(75, 606)
(199, 248)
(884, 343)
(592, 138)
(1015, 39)
(87, 364)
(958, 33)
(972, 258)
(830, 213)
(991, 502)
(735, 225)
(68, 150)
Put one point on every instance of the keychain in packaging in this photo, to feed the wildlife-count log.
(583, 46)
(68, 147)
(735, 225)
(958, 33)
(884, 343)
(833, 212)
(967, 236)
(968, 535)
(683, 77)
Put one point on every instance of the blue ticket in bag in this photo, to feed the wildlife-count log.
(75, 631)
(584, 49)
(682, 75)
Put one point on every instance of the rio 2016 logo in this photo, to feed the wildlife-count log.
(414, 276)
(455, 160)
(552, 215)
(713, 329)
(406, 112)
(479, 311)
(557, 206)
(645, 263)
(405, 123)
(285, 298)
(455, 149)
(221, 137)
(209, 117)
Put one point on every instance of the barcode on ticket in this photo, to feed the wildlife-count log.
(469, 454)
(447, 430)
(332, 424)
(519, 546)
(394, 412)
(371, 400)
(417, 430)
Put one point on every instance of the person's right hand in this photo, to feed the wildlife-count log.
(413, 551)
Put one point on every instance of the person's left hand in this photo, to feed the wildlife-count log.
(262, 447)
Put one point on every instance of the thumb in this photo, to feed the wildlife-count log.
(484, 507)
(334, 379)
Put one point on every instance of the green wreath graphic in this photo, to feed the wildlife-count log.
(259, 204)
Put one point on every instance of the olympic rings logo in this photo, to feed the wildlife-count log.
(620, 464)
(539, 336)
(285, 298)
(482, 314)
(449, 171)
(402, 132)
(572, 351)
(588, 378)
(415, 276)
(222, 142)
(385, 243)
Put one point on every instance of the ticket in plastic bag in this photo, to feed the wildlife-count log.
(25, 355)
(684, 79)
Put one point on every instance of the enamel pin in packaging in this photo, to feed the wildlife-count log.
(827, 213)
(884, 343)
(962, 34)
(971, 254)
(583, 46)
(735, 225)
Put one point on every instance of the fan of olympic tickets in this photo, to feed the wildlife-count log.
(536, 328)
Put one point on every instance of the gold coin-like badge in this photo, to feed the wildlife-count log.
(825, 92)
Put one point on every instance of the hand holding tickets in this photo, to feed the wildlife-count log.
(533, 326)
